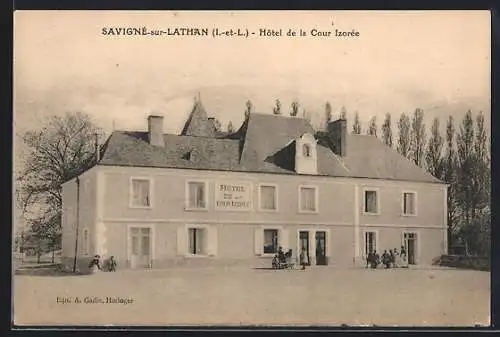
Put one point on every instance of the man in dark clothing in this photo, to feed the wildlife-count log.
(281, 254)
(375, 260)
(369, 259)
(386, 259)
(392, 258)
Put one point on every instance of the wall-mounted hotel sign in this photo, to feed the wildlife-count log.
(233, 196)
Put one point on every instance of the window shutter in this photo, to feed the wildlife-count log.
(212, 240)
(181, 240)
(283, 239)
(328, 244)
(258, 241)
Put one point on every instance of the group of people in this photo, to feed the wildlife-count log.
(96, 263)
(389, 259)
(282, 258)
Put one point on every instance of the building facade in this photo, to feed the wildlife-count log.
(208, 198)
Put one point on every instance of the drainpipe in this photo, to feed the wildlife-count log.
(77, 221)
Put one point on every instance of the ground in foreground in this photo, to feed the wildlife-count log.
(246, 296)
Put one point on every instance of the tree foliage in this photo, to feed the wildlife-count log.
(387, 130)
(294, 109)
(277, 108)
(356, 127)
(404, 135)
(60, 150)
(248, 108)
(343, 113)
(372, 127)
(418, 137)
(433, 155)
(230, 127)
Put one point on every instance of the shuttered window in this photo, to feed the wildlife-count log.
(268, 197)
(308, 199)
(141, 196)
(371, 202)
(197, 195)
(409, 199)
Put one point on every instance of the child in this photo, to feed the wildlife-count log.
(112, 264)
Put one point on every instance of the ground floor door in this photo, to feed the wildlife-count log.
(140, 240)
(321, 259)
(410, 242)
(304, 244)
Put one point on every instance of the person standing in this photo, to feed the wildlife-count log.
(303, 259)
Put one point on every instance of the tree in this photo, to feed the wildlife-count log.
(387, 130)
(328, 114)
(434, 156)
(230, 127)
(418, 137)
(343, 113)
(294, 109)
(474, 184)
(450, 177)
(404, 135)
(356, 127)
(466, 179)
(249, 108)
(62, 149)
(306, 115)
(277, 108)
(217, 125)
(372, 127)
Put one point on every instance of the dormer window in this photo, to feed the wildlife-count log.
(305, 154)
(306, 150)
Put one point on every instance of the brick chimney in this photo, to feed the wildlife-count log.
(155, 130)
(337, 133)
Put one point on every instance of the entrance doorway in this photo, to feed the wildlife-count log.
(140, 240)
(304, 245)
(410, 243)
(321, 248)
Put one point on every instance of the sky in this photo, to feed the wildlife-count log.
(438, 61)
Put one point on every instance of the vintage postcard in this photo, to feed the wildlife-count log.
(277, 168)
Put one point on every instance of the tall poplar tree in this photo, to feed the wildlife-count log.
(418, 137)
(277, 108)
(356, 127)
(387, 130)
(450, 177)
(372, 127)
(434, 155)
(404, 135)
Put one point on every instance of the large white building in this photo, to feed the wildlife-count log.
(202, 197)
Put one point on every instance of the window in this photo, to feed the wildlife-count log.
(86, 241)
(306, 150)
(308, 199)
(268, 198)
(409, 203)
(141, 193)
(371, 202)
(270, 241)
(140, 240)
(197, 195)
(196, 244)
(370, 242)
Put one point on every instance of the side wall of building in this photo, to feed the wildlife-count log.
(86, 208)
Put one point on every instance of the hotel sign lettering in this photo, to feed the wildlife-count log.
(233, 196)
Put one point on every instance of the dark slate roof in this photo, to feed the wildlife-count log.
(264, 143)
